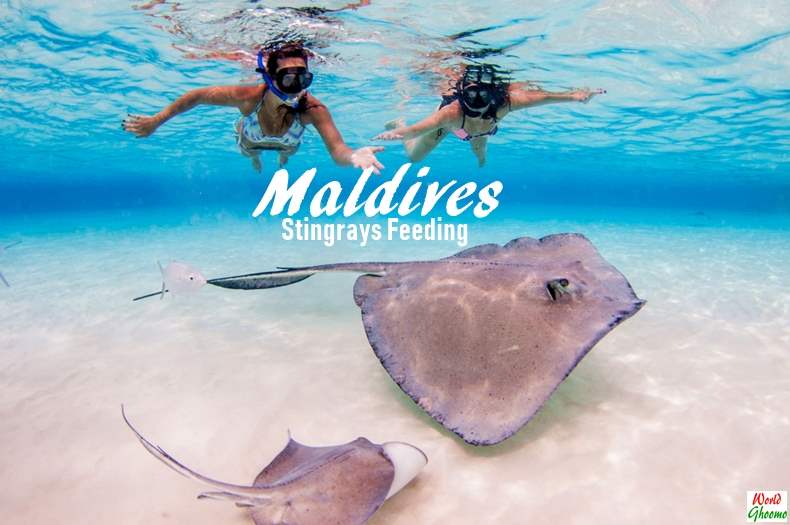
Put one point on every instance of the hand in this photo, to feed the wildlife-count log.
(393, 134)
(365, 158)
(584, 95)
(141, 125)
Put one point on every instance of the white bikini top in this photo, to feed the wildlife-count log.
(250, 130)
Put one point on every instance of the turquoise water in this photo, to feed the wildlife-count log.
(696, 114)
(680, 175)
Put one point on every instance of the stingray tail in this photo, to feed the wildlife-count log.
(263, 280)
(153, 294)
(4, 281)
(238, 491)
(162, 271)
(285, 275)
(161, 293)
(239, 499)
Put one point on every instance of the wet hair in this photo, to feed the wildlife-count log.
(289, 50)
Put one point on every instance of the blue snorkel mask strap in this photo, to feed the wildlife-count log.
(270, 83)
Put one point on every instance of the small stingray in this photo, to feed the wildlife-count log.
(187, 279)
(481, 339)
(3, 249)
(178, 278)
(336, 485)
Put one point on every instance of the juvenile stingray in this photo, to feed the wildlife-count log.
(337, 485)
(481, 339)
(178, 278)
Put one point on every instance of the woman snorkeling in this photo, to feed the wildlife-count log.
(275, 114)
(472, 110)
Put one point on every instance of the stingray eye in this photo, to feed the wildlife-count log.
(556, 288)
(191, 277)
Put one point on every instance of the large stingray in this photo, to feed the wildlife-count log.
(336, 485)
(481, 339)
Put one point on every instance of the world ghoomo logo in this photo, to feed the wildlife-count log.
(766, 506)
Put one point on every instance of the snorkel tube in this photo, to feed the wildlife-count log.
(292, 100)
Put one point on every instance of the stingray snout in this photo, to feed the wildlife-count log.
(407, 460)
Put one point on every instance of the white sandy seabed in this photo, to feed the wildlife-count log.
(670, 419)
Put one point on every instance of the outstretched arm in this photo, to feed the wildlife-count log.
(362, 158)
(522, 97)
(438, 119)
(242, 97)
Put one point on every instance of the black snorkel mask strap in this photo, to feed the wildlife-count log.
(290, 101)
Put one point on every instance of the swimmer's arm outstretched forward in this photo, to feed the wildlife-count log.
(446, 117)
(421, 138)
(522, 96)
(245, 99)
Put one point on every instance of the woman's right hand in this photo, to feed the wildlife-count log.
(364, 158)
(141, 125)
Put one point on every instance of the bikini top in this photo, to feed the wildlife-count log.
(462, 134)
(250, 130)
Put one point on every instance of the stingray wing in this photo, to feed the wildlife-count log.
(478, 341)
(338, 485)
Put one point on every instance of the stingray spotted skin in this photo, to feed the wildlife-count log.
(481, 339)
(336, 485)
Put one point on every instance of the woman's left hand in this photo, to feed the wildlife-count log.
(365, 158)
(584, 95)
(392, 134)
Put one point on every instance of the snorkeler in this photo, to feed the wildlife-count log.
(472, 110)
(275, 114)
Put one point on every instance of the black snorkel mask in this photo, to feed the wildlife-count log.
(291, 81)
(478, 90)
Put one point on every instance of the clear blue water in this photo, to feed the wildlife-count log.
(680, 175)
(696, 116)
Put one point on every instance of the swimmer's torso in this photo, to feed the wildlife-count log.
(251, 137)
(468, 128)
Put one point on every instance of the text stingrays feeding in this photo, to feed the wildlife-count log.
(481, 339)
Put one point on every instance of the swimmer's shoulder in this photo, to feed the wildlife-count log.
(248, 97)
(449, 115)
(313, 109)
